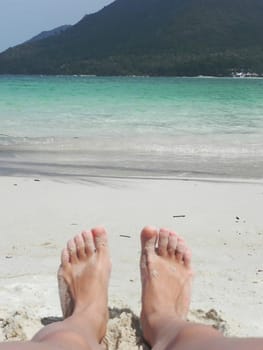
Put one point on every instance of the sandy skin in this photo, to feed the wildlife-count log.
(166, 276)
(85, 268)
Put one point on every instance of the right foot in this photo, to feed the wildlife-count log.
(166, 276)
(85, 271)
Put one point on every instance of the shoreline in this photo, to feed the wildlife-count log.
(86, 178)
(110, 168)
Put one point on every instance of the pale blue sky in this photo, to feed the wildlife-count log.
(22, 19)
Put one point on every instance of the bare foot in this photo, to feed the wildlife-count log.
(166, 276)
(84, 277)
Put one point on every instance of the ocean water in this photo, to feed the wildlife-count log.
(131, 126)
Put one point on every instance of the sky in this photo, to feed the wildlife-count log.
(20, 20)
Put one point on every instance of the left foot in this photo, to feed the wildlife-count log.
(84, 277)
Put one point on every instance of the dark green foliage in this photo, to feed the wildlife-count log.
(151, 37)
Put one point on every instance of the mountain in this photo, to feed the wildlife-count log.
(151, 37)
(49, 33)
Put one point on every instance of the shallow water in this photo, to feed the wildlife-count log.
(133, 126)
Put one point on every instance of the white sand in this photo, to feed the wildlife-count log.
(37, 218)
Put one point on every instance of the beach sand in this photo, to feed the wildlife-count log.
(221, 221)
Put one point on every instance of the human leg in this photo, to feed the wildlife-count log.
(85, 266)
(166, 275)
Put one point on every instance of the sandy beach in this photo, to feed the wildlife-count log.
(221, 221)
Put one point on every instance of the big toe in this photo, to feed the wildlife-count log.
(149, 236)
(100, 239)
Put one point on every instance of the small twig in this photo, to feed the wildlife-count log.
(179, 216)
(125, 236)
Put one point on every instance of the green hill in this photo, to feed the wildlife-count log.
(151, 37)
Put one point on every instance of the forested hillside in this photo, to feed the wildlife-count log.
(151, 37)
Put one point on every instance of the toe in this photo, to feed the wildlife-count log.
(172, 243)
(88, 242)
(100, 239)
(72, 251)
(64, 257)
(180, 250)
(149, 236)
(80, 247)
(187, 257)
(163, 242)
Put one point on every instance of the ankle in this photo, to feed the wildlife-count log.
(93, 307)
(155, 325)
(156, 317)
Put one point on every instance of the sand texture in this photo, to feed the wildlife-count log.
(221, 221)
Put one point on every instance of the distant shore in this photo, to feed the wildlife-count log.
(240, 75)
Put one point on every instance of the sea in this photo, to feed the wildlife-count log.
(145, 127)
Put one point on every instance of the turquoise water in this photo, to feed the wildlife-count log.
(131, 126)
